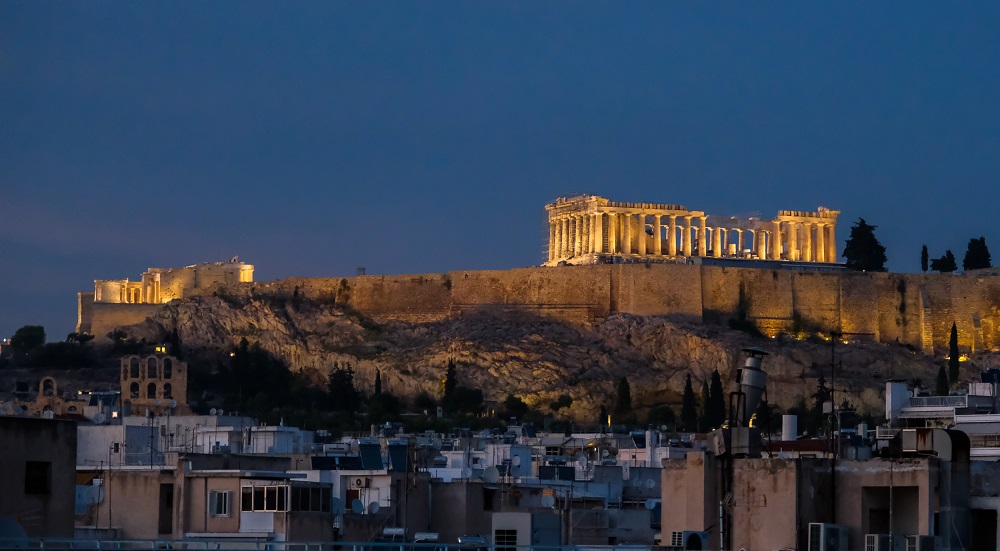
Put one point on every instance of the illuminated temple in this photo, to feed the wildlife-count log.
(587, 229)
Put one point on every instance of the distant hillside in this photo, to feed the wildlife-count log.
(526, 354)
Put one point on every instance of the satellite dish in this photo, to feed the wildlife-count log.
(357, 506)
(605, 453)
(212, 411)
(219, 412)
(173, 403)
(99, 418)
(581, 458)
(491, 475)
(466, 472)
(516, 461)
(650, 504)
(650, 483)
(637, 482)
(548, 501)
(373, 507)
(663, 428)
(337, 506)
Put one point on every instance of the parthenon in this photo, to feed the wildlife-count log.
(587, 229)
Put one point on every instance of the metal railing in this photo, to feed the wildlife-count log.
(939, 401)
(266, 545)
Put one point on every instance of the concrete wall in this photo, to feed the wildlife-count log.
(913, 309)
(46, 510)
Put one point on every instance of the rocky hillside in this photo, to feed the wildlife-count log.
(533, 357)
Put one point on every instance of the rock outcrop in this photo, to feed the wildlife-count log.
(529, 355)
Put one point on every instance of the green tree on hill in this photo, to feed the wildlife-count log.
(27, 339)
(863, 251)
(945, 264)
(941, 384)
(977, 255)
(923, 259)
(716, 410)
(622, 412)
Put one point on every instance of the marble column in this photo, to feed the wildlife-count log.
(627, 233)
(686, 236)
(739, 242)
(672, 236)
(567, 241)
(552, 239)
(717, 242)
(641, 234)
(821, 243)
(597, 223)
(831, 243)
(703, 237)
(657, 236)
(807, 249)
(793, 240)
(760, 236)
(612, 233)
(776, 241)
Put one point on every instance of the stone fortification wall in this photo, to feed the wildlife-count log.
(913, 309)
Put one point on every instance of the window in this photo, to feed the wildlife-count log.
(306, 498)
(218, 503)
(168, 391)
(37, 478)
(168, 367)
(133, 390)
(151, 390)
(263, 498)
(505, 540)
(133, 368)
(151, 368)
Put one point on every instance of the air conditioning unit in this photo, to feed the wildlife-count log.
(689, 539)
(362, 482)
(827, 537)
(884, 542)
(920, 543)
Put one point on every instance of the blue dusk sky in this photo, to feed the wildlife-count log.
(311, 138)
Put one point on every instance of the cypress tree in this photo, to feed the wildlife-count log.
(923, 259)
(689, 407)
(703, 419)
(716, 401)
(941, 385)
(953, 355)
(378, 382)
(623, 402)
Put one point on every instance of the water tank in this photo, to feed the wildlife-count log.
(789, 427)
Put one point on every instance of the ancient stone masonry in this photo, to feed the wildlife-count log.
(587, 229)
(161, 285)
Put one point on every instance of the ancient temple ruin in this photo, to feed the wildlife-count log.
(587, 229)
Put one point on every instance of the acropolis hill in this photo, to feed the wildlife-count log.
(604, 306)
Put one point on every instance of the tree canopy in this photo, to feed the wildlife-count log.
(27, 339)
(953, 354)
(923, 259)
(945, 264)
(863, 251)
(977, 255)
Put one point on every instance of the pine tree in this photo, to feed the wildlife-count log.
(689, 407)
(863, 251)
(945, 264)
(923, 259)
(953, 354)
(977, 256)
(941, 385)
(450, 381)
(716, 401)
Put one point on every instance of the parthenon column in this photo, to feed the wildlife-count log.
(703, 237)
(820, 243)
(672, 239)
(627, 233)
(716, 242)
(657, 236)
(831, 243)
(598, 232)
(739, 242)
(552, 239)
(761, 239)
(793, 240)
(641, 234)
(612, 232)
(567, 240)
(807, 250)
(776, 241)
(686, 235)
(588, 233)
